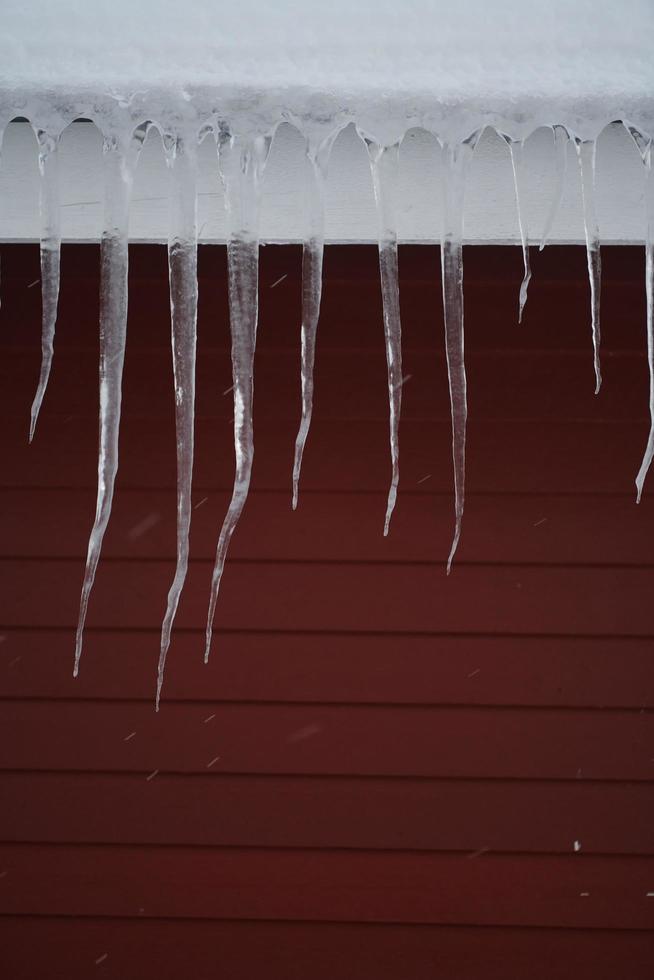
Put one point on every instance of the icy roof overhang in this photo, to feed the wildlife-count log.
(238, 70)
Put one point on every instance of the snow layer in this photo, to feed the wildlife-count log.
(453, 67)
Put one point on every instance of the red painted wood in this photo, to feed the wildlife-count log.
(509, 456)
(557, 319)
(341, 668)
(350, 383)
(213, 809)
(313, 885)
(329, 739)
(369, 597)
(366, 727)
(337, 527)
(69, 949)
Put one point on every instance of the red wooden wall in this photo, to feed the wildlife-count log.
(382, 772)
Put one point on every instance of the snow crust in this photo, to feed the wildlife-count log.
(451, 67)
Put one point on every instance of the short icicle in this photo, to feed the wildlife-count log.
(182, 271)
(316, 160)
(50, 261)
(561, 140)
(120, 156)
(646, 153)
(455, 158)
(242, 161)
(384, 162)
(586, 152)
(517, 151)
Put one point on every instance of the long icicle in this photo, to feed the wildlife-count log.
(561, 140)
(649, 292)
(49, 207)
(384, 166)
(586, 152)
(455, 158)
(242, 162)
(182, 271)
(316, 160)
(517, 151)
(119, 160)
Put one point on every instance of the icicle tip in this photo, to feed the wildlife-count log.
(455, 545)
(390, 507)
(161, 666)
(33, 419)
(207, 643)
(640, 480)
(78, 653)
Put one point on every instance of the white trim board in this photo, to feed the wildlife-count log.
(490, 216)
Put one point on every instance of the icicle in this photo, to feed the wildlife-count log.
(384, 167)
(561, 139)
(646, 153)
(50, 261)
(2, 135)
(242, 161)
(317, 157)
(517, 149)
(586, 150)
(119, 162)
(455, 160)
(182, 269)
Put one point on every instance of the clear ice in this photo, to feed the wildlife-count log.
(120, 156)
(384, 165)
(242, 161)
(315, 166)
(50, 248)
(455, 160)
(586, 152)
(561, 140)
(182, 271)
(243, 147)
(645, 149)
(517, 151)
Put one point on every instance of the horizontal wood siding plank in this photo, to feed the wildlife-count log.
(503, 456)
(295, 596)
(557, 316)
(69, 949)
(397, 814)
(325, 739)
(539, 528)
(311, 885)
(350, 383)
(332, 667)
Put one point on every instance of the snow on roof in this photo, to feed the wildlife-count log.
(516, 63)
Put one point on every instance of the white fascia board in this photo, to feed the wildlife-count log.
(490, 215)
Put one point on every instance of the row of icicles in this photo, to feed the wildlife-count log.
(241, 164)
